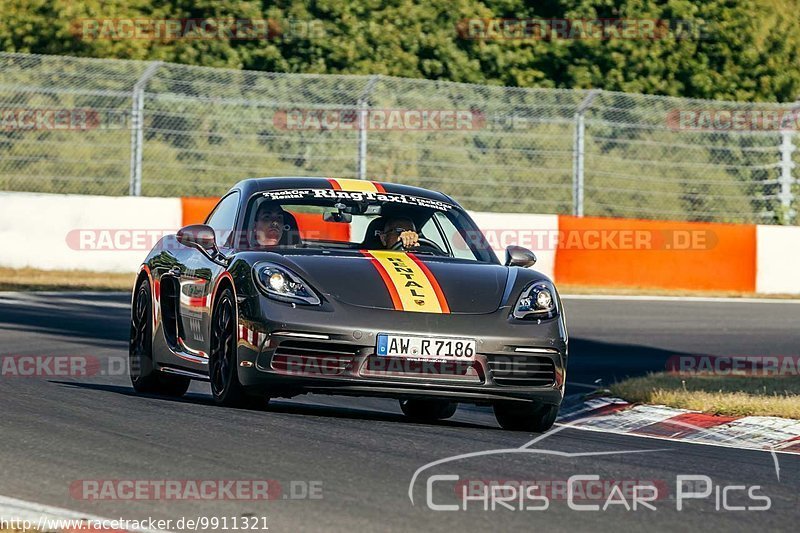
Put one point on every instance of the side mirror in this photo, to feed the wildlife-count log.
(518, 256)
(198, 235)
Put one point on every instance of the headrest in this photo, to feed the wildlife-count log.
(372, 239)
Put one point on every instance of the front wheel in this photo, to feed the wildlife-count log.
(534, 417)
(145, 377)
(222, 362)
(428, 410)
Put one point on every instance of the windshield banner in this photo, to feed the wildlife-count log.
(356, 196)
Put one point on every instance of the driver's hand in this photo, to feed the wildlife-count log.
(410, 239)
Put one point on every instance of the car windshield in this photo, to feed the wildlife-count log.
(361, 221)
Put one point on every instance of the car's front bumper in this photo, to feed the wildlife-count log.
(285, 350)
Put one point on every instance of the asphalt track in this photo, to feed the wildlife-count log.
(56, 430)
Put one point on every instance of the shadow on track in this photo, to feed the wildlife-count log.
(591, 360)
(279, 406)
(54, 315)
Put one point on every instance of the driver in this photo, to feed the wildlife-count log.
(269, 224)
(399, 229)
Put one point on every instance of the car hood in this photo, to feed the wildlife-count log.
(403, 281)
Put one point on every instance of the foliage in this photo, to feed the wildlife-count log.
(745, 50)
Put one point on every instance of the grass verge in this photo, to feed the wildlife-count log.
(29, 279)
(718, 395)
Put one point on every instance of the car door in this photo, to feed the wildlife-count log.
(198, 276)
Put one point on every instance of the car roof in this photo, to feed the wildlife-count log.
(248, 187)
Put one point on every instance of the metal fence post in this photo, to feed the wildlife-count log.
(363, 106)
(787, 180)
(578, 147)
(578, 144)
(137, 128)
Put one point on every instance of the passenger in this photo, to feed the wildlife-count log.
(270, 224)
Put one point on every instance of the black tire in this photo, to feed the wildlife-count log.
(145, 377)
(428, 410)
(533, 417)
(226, 389)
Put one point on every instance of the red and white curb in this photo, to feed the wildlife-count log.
(47, 518)
(614, 415)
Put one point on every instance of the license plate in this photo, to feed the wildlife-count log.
(425, 347)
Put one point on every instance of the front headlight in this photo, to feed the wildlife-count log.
(282, 284)
(537, 301)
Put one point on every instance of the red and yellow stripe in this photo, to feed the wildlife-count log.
(344, 184)
(411, 284)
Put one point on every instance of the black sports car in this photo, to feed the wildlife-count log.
(345, 286)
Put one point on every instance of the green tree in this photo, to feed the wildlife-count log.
(749, 50)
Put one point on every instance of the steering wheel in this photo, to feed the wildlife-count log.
(423, 242)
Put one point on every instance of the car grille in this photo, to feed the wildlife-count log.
(313, 358)
(522, 370)
(402, 367)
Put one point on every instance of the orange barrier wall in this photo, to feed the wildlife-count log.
(313, 227)
(645, 253)
(195, 211)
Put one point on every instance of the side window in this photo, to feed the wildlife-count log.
(460, 247)
(430, 231)
(223, 218)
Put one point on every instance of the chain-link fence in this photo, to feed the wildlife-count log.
(126, 127)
